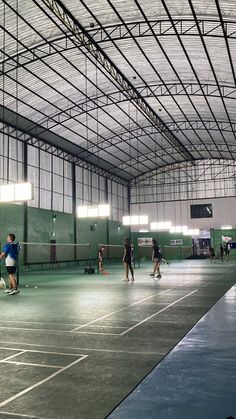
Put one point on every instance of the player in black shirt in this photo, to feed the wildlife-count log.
(127, 260)
(156, 259)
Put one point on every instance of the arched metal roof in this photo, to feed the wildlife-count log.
(131, 85)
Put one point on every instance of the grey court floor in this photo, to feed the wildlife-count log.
(196, 380)
(73, 346)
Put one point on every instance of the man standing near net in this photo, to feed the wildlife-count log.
(11, 251)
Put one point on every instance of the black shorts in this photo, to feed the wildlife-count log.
(11, 269)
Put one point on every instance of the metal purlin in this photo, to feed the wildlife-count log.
(39, 77)
(95, 86)
(59, 10)
(131, 65)
(214, 75)
(185, 27)
(27, 22)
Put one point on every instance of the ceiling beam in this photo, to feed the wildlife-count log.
(75, 28)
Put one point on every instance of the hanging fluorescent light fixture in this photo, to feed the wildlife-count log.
(192, 232)
(226, 227)
(86, 211)
(16, 192)
(143, 219)
(135, 220)
(23, 191)
(92, 211)
(104, 210)
(178, 229)
(7, 193)
(161, 225)
(82, 211)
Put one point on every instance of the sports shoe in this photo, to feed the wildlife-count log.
(14, 291)
(125, 280)
(9, 290)
(152, 275)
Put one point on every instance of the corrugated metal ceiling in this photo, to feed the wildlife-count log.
(151, 83)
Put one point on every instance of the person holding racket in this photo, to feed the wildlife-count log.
(10, 252)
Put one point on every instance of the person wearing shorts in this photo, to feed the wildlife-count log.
(100, 259)
(156, 259)
(221, 253)
(10, 252)
(212, 255)
(127, 260)
(226, 249)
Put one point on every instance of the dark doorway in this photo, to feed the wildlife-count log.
(200, 247)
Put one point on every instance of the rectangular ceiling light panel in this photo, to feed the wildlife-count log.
(17, 192)
(95, 211)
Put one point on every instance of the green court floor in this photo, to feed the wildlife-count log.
(73, 345)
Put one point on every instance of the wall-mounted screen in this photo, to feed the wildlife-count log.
(201, 211)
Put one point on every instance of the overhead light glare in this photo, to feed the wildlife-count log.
(135, 220)
(192, 232)
(226, 227)
(82, 212)
(92, 211)
(161, 225)
(86, 211)
(178, 229)
(104, 210)
(16, 192)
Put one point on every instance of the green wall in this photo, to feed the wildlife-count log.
(216, 239)
(163, 238)
(93, 231)
(11, 221)
(40, 225)
(100, 231)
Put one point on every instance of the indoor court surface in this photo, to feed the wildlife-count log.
(74, 346)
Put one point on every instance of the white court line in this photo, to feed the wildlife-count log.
(57, 324)
(191, 280)
(108, 327)
(31, 364)
(40, 352)
(60, 331)
(39, 383)
(155, 314)
(13, 356)
(121, 309)
(87, 324)
(115, 351)
(35, 330)
(97, 333)
(219, 277)
(203, 286)
(20, 415)
(32, 322)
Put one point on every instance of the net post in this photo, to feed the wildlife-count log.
(53, 251)
(1, 261)
(89, 255)
(97, 259)
(18, 274)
